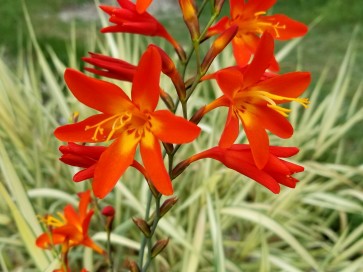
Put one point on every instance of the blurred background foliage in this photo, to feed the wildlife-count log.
(223, 222)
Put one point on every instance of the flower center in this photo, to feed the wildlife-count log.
(243, 98)
(258, 24)
(131, 122)
(51, 221)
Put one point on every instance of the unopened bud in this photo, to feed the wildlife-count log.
(218, 4)
(179, 169)
(168, 147)
(218, 45)
(167, 205)
(167, 100)
(132, 266)
(190, 16)
(108, 211)
(159, 247)
(143, 226)
(198, 115)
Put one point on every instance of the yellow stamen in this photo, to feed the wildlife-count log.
(271, 100)
(118, 122)
(51, 221)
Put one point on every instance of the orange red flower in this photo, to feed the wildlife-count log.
(71, 228)
(127, 19)
(255, 102)
(87, 157)
(239, 158)
(129, 122)
(252, 21)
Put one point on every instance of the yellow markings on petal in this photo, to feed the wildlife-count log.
(51, 221)
(118, 122)
(248, 97)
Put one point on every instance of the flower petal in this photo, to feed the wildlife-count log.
(77, 132)
(287, 85)
(85, 174)
(154, 164)
(170, 128)
(113, 163)
(291, 29)
(142, 5)
(97, 94)
(257, 138)
(231, 130)
(274, 122)
(145, 87)
(229, 80)
(261, 61)
(243, 47)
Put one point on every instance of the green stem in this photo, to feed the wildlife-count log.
(145, 239)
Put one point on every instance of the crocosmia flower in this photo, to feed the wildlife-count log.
(87, 157)
(129, 122)
(255, 102)
(128, 20)
(70, 229)
(239, 158)
(252, 21)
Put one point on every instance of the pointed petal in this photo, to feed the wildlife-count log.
(142, 5)
(113, 163)
(236, 7)
(231, 130)
(282, 151)
(251, 171)
(257, 138)
(97, 94)
(85, 198)
(243, 47)
(145, 87)
(230, 81)
(170, 128)
(89, 243)
(287, 85)
(45, 240)
(85, 174)
(154, 164)
(292, 28)
(274, 122)
(261, 60)
(219, 27)
(77, 132)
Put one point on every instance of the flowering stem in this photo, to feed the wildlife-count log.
(145, 239)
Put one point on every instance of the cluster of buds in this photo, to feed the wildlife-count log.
(252, 88)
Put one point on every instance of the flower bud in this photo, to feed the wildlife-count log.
(108, 211)
(179, 168)
(159, 247)
(198, 115)
(167, 100)
(132, 266)
(143, 226)
(218, 45)
(168, 147)
(190, 16)
(218, 4)
(167, 205)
